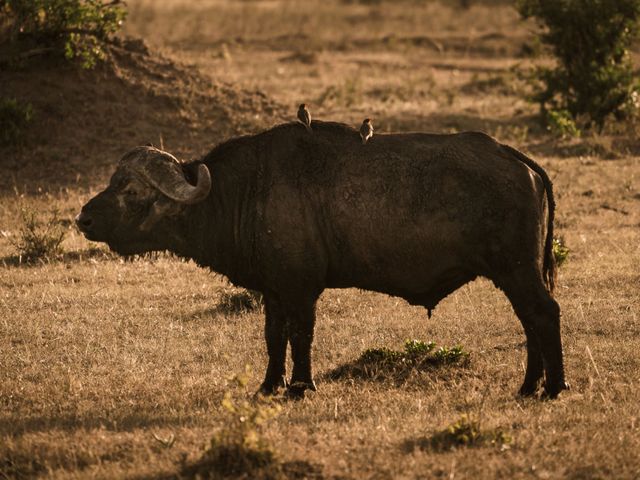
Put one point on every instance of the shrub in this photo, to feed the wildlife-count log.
(39, 240)
(76, 29)
(14, 120)
(238, 449)
(593, 78)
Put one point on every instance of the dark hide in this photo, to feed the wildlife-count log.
(293, 212)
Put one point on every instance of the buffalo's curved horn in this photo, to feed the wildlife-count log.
(164, 172)
(176, 187)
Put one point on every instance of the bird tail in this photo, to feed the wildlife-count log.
(306, 125)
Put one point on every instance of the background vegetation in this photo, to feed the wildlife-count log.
(590, 39)
(75, 29)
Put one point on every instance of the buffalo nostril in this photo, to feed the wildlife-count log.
(84, 221)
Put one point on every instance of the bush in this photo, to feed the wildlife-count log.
(239, 450)
(590, 39)
(14, 120)
(39, 240)
(76, 29)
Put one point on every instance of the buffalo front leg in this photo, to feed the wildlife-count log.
(302, 319)
(275, 333)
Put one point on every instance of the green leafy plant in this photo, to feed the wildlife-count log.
(380, 355)
(383, 363)
(238, 449)
(450, 354)
(415, 352)
(416, 348)
(590, 39)
(236, 302)
(78, 29)
(560, 251)
(466, 432)
(561, 123)
(38, 239)
(14, 120)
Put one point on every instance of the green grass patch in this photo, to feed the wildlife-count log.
(384, 363)
(235, 302)
(465, 432)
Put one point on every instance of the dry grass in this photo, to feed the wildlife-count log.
(103, 360)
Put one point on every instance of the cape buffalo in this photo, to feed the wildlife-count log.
(290, 213)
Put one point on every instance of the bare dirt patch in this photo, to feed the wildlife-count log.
(85, 120)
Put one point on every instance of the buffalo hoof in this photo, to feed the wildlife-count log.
(551, 392)
(271, 388)
(296, 389)
(528, 390)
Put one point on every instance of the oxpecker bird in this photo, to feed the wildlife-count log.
(304, 116)
(366, 130)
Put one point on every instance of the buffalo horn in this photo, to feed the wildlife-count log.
(164, 172)
(177, 188)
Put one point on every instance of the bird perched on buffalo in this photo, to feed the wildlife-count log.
(366, 130)
(304, 116)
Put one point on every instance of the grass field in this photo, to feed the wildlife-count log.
(114, 368)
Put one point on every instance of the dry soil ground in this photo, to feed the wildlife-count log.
(98, 355)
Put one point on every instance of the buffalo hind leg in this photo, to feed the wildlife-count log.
(535, 365)
(276, 335)
(302, 317)
(539, 314)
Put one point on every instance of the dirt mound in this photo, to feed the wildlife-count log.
(84, 120)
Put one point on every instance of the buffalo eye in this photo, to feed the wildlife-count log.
(131, 192)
